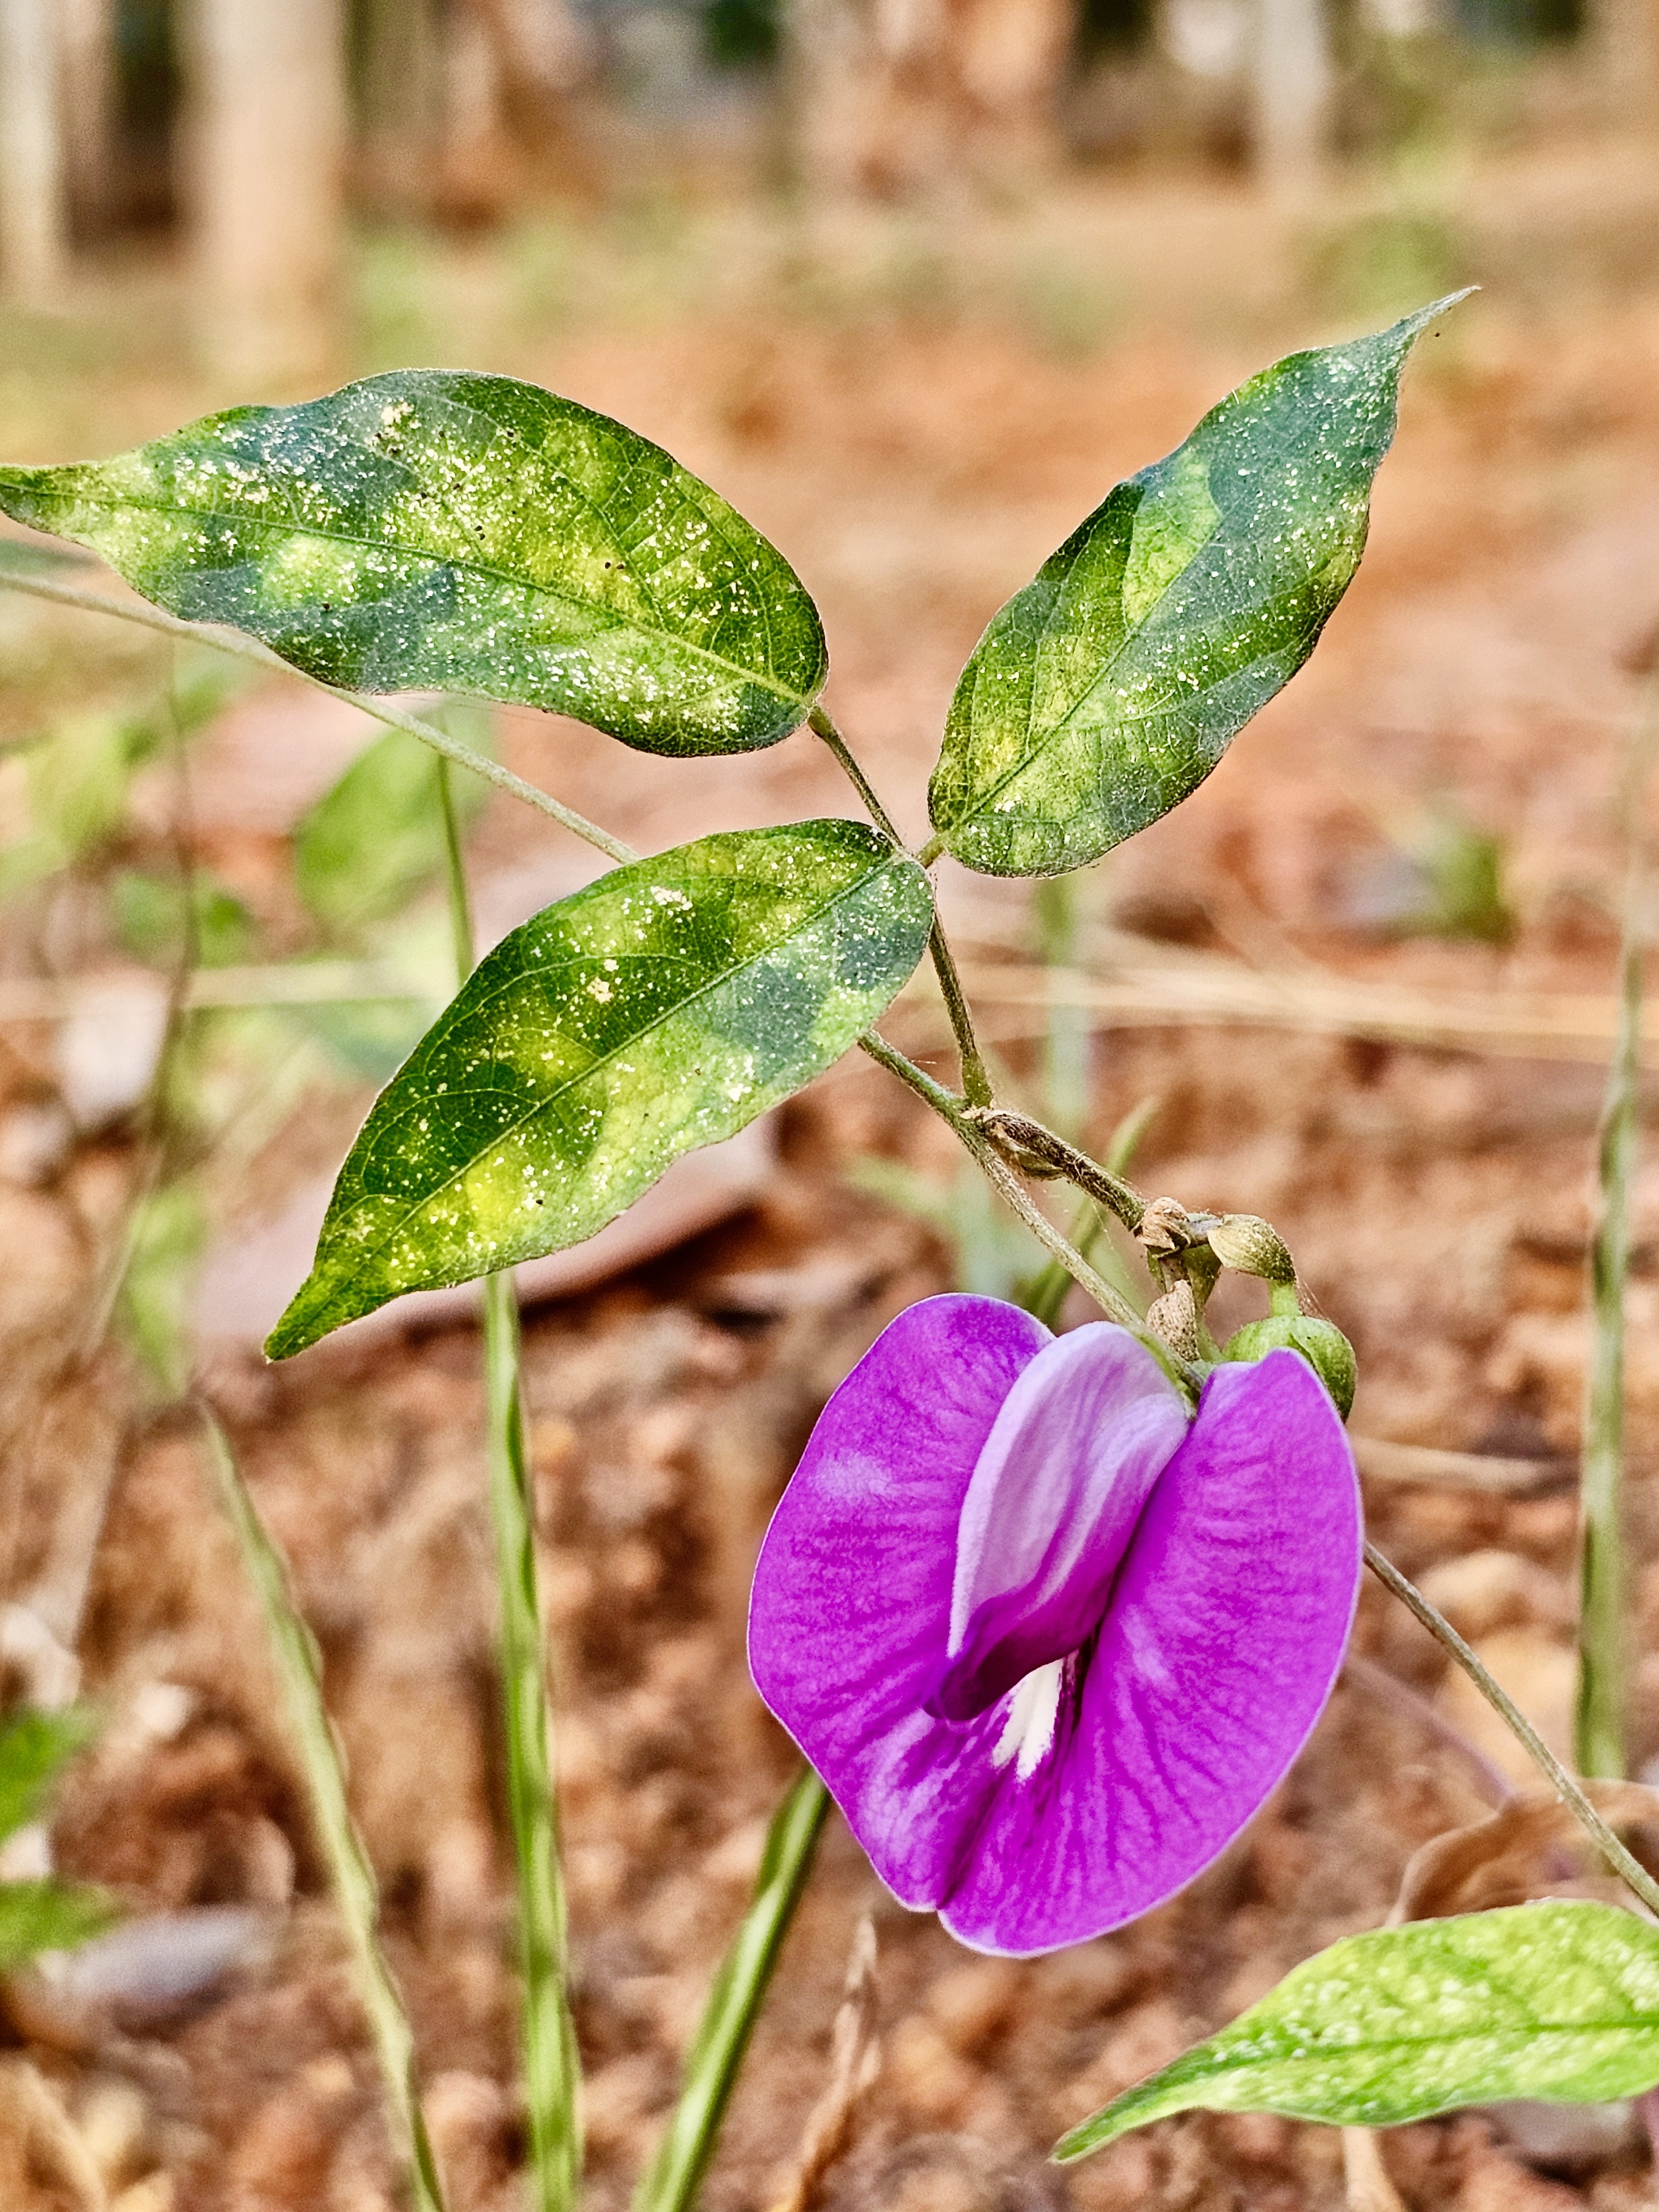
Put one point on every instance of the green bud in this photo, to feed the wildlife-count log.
(1321, 1343)
(1251, 1246)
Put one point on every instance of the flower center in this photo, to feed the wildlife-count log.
(1028, 1734)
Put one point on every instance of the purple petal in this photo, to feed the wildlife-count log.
(851, 1608)
(1223, 1638)
(1080, 1440)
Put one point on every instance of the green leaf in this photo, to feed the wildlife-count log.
(1106, 689)
(48, 1916)
(151, 914)
(33, 1745)
(373, 840)
(661, 1008)
(436, 531)
(1557, 2001)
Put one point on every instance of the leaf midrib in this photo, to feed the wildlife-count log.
(602, 1060)
(1056, 729)
(480, 569)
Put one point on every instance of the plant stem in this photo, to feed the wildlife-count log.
(249, 648)
(298, 1673)
(552, 2071)
(1623, 1864)
(669, 2183)
(820, 723)
(957, 1112)
(1048, 1293)
(1599, 1707)
(975, 1077)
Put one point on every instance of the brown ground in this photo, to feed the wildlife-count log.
(916, 459)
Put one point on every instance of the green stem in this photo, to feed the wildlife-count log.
(820, 723)
(1047, 1292)
(669, 2185)
(248, 648)
(1599, 1707)
(552, 2067)
(975, 1077)
(552, 2071)
(957, 1112)
(1635, 1876)
(298, 1673)
(1599, 1710)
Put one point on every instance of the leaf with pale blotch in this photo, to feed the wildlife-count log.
(1109, 687)
(661, 1008)
(1555, 2002)
(433, 530)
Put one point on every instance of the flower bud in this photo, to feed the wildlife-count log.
(1251, 1246)
(1321, 1343)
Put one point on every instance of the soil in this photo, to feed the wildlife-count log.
(915, 462)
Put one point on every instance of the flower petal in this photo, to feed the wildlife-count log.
(852, 1597)
(1055, 1494)
(1224, 1636)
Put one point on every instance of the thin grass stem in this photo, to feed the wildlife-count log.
(552, 2069)
(1598, 1705)
(299, 1672)
(669, 2183)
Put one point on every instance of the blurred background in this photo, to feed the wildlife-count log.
(913, 282)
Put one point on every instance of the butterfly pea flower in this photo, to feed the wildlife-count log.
(1050, 1640)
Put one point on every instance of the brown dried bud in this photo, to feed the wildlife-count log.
(1166, 1228)
(1251, 1246)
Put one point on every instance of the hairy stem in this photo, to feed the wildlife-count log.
(1048, 1293)
(669, 2185)
(976, 1076)
(821, 725)
(552, 2071)
(248, 648)
(299, 1674)
(960, 1116)
(1635, 1876)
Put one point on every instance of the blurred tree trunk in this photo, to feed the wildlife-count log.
(402, 102)
(265, 89)
(896, 96)
(32, 202)
(1290, 94)
(87, 32)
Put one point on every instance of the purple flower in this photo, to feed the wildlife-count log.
(1050, 1645)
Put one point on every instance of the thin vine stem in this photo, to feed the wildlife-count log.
(976, 1076)
(957, 1112)
(1629, 1870)
(551, 2065)
(820, 724)
(248, 648)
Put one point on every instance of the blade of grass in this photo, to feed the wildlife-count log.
(1599, 1708)
(298, 1673)
(550, 2062)
(669, 2183)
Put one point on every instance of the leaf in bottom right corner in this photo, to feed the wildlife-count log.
(1557, 2001)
